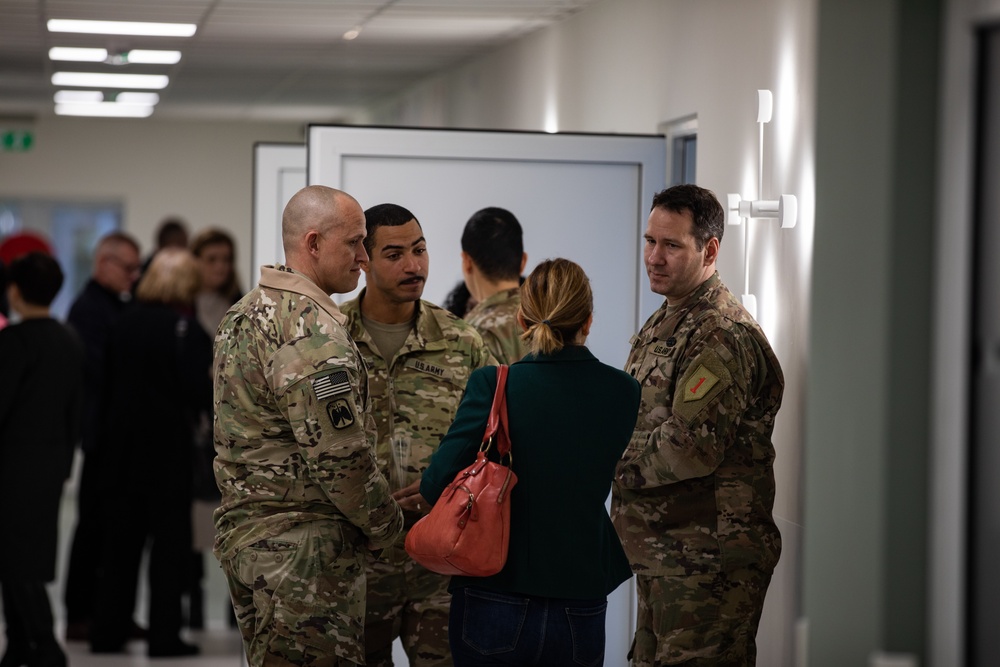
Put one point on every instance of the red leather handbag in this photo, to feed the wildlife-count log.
(467, 530)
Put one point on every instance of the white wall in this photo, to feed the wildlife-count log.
(629, 65)
(201, 171)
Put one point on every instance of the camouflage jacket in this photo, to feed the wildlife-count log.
(496, 321)
(293, 431)
(415, 395)
(695, 488)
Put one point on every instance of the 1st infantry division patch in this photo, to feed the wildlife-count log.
(699, 384)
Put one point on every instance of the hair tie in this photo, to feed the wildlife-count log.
(547, 323)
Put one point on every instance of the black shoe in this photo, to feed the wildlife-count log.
(77, 631)
(51, 656)
(176, 648)
(14, 658)
(48, 656)
(137, 631)
(107, 646)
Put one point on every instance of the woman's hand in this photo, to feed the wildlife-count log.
(410, 500)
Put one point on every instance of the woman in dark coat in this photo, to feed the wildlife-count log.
(570, 419)
(41, 402)
(159, 361)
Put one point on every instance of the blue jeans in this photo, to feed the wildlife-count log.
(489, 628)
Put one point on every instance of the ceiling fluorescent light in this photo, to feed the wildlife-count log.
(123, 28)
(78, 55)
(78, 96)
(99, 80)
(109, 109)
(149, 57)
(147, 99)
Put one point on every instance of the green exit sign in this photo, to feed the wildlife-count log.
(16, 140)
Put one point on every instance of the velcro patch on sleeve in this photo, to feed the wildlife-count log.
(340, 413)
(699, 384)
(331, 385)
(705, 379)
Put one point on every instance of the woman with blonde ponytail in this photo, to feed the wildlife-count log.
(570, 419)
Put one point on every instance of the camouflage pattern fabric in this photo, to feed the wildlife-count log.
(296, 593)
(410, 602)
(699, 620)
(496, 321)
(293, 430)
(695, 488)
(415, 397)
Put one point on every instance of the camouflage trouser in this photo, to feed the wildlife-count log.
(407, 601)
(300, 597)
(699, 620)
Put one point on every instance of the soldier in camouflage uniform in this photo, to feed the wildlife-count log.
(419, 357)
(492, 261)
(694, 491)
(303, 500)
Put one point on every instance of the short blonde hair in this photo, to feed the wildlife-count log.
(556, 301)
(172, 278)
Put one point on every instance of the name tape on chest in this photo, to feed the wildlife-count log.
(331, 385)
(425, 367)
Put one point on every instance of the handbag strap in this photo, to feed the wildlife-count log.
(496, 424)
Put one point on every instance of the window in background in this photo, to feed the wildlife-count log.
(682, 149)
(72, 228)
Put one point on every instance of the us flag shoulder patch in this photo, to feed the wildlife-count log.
(331, 385)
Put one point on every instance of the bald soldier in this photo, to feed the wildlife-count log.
(694, 491)
(303, 500)
(419, 357)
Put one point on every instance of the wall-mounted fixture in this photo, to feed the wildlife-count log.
(738, 210)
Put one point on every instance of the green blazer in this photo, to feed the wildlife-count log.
(570, 419)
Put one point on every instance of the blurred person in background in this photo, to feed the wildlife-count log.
(12, 247)
(172, 232)
(157, 378)
(215, 251)
(92, 316)
(41, 404)
(458, 301)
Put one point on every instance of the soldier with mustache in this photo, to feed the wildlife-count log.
(419, 358)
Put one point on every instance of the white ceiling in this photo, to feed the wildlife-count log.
(267, 59)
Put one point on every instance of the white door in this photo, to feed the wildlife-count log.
(279, 171)
(582, 197)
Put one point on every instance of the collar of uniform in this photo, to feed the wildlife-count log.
(699, 292)
(500, 297)
(568, 353)
(289, 280)
(426, 327)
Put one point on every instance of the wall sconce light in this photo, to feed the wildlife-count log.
(785, 209)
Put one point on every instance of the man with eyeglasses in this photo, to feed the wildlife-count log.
(92, 316)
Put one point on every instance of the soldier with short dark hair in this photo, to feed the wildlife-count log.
(302, 496)
(419, 358)
(493, 258)
(694, 491)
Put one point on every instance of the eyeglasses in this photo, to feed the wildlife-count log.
(129, 267)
